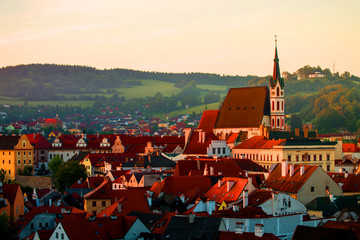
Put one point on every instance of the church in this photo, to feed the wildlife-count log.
(250, 110)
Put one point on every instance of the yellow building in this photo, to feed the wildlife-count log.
(7, 155)
(24, 152)
(296, 151)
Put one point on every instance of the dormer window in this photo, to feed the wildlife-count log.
(81, 143)
(105, 143)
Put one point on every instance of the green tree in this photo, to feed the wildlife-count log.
(55, 163)
(6, 231)
(67, 174)
(2, 175)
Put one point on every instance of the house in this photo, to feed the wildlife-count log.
(319, 233)
(303, 182)
(114, 227)
(14, 196)
(143, 179)
(193, 227)
(41, 147)
(106, 195)
(7, 150)
(349, 182)
(266, 152)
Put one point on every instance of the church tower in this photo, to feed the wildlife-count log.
(277, 110)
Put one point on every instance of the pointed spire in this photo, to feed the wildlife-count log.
(276, 72)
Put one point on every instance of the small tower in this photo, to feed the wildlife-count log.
(277, 108)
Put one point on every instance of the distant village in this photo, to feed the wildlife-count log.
(239, 172)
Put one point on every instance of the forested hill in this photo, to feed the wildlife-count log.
(42, 81)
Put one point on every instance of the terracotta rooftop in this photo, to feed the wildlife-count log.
(244, 107)
(208, 120)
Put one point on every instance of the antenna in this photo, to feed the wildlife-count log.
(275, 40)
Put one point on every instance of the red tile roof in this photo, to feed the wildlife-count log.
(133, 199)
(10, 191)
(232, 138)
(259, 142)
(221, 194)
(195, 146)
(350, 147)
(258, 197)
(191, 186)
(349, 182)
(38, 141)
(289, 184)
(208, 120)
(244, 107)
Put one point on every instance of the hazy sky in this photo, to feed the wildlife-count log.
(225, 37)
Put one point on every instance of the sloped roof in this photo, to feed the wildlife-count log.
(354, 226)
(221, 194)
(259, 142)
(258, 197)
(208, 120)
(350, 147)
(10, 191)
(191, 186)
(202, 228)
(38, 141)
(194, 146)
(8, 142)
(244, 107)
(349, 182)
(319, 233)
(289, 184)
(245, 236)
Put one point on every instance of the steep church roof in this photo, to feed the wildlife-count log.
(244, 107)
(276, 72)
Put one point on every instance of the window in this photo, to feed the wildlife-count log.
(18, 153)
(40, 225)
(223, 150)
(94, 203)
(214, 150)
(42, 151)
(328, 168)
(312, 189)
(24, 161)
(24, 153)
(277, 91)
(273, 105)
(23, 144)
(3, 161)
(57, 235)
(9, 171)
(282, 106)
(314, 157)
(103, 203)
(18, 162)
(328, 157)
(297, 158)
(29, 153)
(218, 150)
(50, 156)
(46, 224)
(62, 236)
(29, 161)
(278, 123)
(9, 161)
(309, 157)
(278, 106)
(289, 158)
(320, 157)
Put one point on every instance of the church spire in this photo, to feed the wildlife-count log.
(276, 72)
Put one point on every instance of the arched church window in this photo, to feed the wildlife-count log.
(282, 106)
(278, 122)
(278, 106)
(273, 105)
(277, 91)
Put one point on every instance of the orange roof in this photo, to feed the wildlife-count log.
(349, 182)
(244, 107)
(289, 184)
(195, 146)
(208, 120)
(258, 142)
(10, 191)
(191, 186)
(350, 147)
(232, 138)
(221, 194)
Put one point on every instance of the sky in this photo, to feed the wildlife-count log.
(231, 37)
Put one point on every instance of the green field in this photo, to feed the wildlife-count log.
(149, 89)
(196, 109)
(48, 103)
(212, 87)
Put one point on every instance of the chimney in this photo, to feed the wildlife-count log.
(235, 208)
(284, 168)
(346, 174)
(119, 207)
(302, 170)
(211, 171)
(50, 202)
(291, 170)
(203, 137)
(245, 198)
(340, 170)
(191, 217)
(306, 132)
(182, 198)
(149, 201)
(79, 181)
(259, 230)
(200, 136)
(239, 228)
(297, 132)
(229, 185)
(219, 183)
(206, 170)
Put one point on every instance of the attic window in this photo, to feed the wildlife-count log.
(238, 108)
(229, 108)
(244, 108)
(253, 108)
